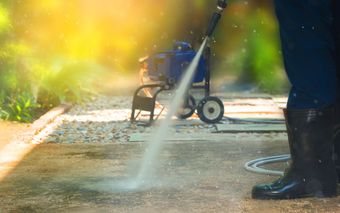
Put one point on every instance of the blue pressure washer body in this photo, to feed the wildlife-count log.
(165, 70)
(169, 66)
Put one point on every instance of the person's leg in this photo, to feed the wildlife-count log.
(308, 51)
(336, 31)
(307, 48)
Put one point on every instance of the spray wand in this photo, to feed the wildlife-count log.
(221, 5)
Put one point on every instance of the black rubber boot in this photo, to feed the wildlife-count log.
(336, 139)
(312, 171)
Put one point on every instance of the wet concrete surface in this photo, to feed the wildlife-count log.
(87, 163)
(191, 177)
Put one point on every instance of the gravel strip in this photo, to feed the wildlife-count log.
(105, 120)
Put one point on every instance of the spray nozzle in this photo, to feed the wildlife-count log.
(222, 4)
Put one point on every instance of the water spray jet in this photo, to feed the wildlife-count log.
(210, 109)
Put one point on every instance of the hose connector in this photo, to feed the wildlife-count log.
(222, 4)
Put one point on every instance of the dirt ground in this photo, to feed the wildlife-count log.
(80, 168)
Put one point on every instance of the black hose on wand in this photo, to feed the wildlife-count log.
(221, 5)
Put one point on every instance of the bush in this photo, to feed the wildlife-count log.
(31, 82)
(23, 98)
(3, 113)
(19, 107)
(71, 82)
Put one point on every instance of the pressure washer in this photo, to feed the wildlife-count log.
(164, 70)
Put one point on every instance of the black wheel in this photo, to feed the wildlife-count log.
(210, 110)
(189, 108)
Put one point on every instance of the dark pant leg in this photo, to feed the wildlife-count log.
(336, 32)
(308, 50)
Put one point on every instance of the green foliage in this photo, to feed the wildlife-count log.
(4, 19)
(264, 58)
(260, 60)
(31, 82)
(3, 113)
(67, 82)
(20, 107)
(16, 101)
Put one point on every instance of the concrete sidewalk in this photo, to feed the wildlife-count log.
(80, 168)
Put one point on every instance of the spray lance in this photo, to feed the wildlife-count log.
(221, 5)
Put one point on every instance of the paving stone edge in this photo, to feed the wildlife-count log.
(37, 126)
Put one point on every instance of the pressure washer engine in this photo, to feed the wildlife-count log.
(164, 70)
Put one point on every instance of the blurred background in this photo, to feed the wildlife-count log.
(52, 51)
